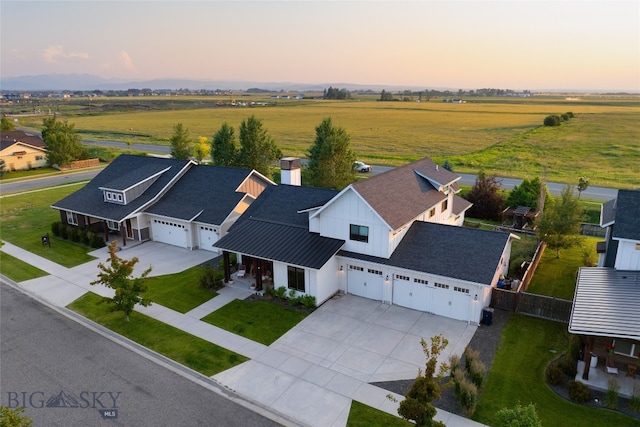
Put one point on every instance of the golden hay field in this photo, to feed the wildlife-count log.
(501, 136)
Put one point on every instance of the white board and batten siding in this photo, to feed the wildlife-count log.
(335, 221)
(628, 256)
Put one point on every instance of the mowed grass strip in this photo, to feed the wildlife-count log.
(180, 291)
(196, 353)
(362, 415)
(556, 277)
(527, 346)
(260, 321)
(25, 218)
(18, 270)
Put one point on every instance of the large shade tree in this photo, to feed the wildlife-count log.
(6, 123)
(330, 157)
(181, 146)
(223, 147)
(488, 201)
(560, 224)
(61, 141)
(258, 150)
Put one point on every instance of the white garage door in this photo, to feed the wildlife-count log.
(207, 236)
(364, 282)
(441, 303)
(412, 294)
(169, 232)
(460, 303)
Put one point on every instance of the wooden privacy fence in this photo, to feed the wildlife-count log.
(534, 305)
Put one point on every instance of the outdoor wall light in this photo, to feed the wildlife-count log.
(387, 279)
(340, 268)
(475, 298)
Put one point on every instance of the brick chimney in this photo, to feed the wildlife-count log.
(290, 171)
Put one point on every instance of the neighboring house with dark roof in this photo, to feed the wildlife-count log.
(177, 202)
(606, 303)
(22, 151)
(394, 237)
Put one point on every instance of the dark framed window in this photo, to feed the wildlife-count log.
(444, 206)
(359, 233)
(295, 278)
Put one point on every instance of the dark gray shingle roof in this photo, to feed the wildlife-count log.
(627, 212)
(210, 189)
(89, 199)
(458, 252)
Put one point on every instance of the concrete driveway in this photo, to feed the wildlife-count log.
(332, 356)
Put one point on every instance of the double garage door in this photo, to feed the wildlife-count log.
(437, 298)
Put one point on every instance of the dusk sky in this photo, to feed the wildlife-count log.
(535, 45)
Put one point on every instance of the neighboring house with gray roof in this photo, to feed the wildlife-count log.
(177, 202)
(606, 303)
(394, 237)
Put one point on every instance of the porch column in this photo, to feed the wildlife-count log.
(106, 231)
(259, 275)
(227, 266)
(588, 348)
(124, 235)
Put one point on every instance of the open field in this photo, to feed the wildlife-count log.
(500, 135)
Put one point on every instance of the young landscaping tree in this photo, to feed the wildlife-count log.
(519, 416)
(583, 184)
(6, 123)
(330, 157)
(12, 417)
(61, 141)
(559, 226)
(118, 276)
(526, 194)
(417, 406)
(258, 150)
(223, 147)
(201, 149)
(488, 201)
(180, 143)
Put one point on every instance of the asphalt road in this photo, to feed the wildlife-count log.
(47, 358)
(596, 193)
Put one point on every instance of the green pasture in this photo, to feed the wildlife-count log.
(500, 135)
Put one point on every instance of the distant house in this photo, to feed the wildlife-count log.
(395, 237)
(606, 304)
(22, 151)
(172, 201)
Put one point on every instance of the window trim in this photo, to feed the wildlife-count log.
(298, 273)
(72, 218)
(358, 235)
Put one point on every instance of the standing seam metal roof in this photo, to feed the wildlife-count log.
(606, 303)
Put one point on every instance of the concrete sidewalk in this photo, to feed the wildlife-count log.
(314, 371)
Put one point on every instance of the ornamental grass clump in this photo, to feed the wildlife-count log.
(612, 393)
(578, 392)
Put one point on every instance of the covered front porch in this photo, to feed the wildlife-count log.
(599, 377)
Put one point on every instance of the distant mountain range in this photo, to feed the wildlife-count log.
(87, 82)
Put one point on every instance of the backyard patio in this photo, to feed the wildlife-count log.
(599, 378)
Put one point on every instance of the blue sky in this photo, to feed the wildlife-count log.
(581, 45)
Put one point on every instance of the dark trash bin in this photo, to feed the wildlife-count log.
(487, 316)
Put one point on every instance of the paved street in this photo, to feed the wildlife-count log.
(44, 353)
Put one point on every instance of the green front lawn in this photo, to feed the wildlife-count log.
(27, 217)
(18, 270)
(556, 277)
(362, 415)
(180, 291)
(527, 346)
(184, 348)
(260, 321)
